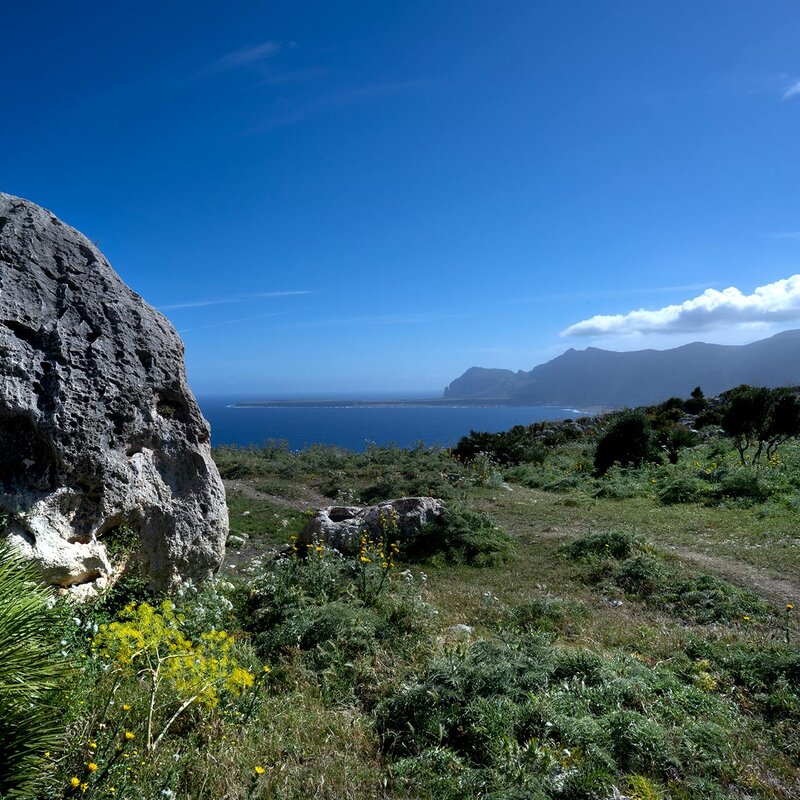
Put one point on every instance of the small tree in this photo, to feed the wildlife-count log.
(696, 403)
(628, 441)
(783, 420)
(760, 418)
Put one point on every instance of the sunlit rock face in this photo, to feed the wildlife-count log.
(99, 431)
(341, 527)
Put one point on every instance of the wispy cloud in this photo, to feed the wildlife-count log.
(249, 56)
(219, 301)
(331, 102)
(234, 321)
(387, 319)
(773, 302)
(792, 91)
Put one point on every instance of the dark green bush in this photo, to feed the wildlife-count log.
(34, 678)
(641, 575)
(613, 544)
(742, 485)
(549, 614)
(706, 598)
(675, 438)
(461, 536)
(522, 444)
(682, 489)
(628, 441)
(564, 723)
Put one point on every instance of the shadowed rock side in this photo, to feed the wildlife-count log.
(98, 427)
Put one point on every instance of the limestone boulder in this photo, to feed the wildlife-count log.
(103, 449)
(341, 527)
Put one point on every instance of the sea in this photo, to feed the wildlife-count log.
(357, 423)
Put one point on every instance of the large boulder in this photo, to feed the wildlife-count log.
(101, 439)
(341, 527)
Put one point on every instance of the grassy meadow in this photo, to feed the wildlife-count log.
(566, 632)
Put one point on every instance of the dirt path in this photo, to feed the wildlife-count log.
(531, 512)
(308, 499)
(770, 587)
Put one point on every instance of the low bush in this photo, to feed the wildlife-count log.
(744, 486)
(621, 561)
(614, 544)
(682, 489)
(316, 608)
(548, 614)
(461, 536)
(523, 718)
(34, 677)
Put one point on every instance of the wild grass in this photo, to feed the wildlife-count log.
(562, 636)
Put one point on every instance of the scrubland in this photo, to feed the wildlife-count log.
(569, 630)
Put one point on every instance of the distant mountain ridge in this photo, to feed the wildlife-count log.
(607, 378)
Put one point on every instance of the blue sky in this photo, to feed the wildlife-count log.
(374, 196)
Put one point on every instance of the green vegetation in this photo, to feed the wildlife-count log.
(33, 674)
(574, 627)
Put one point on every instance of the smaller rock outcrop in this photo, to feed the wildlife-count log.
(341, 527)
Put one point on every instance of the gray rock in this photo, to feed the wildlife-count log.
(461, 629)
(98, 427)
(340, 527)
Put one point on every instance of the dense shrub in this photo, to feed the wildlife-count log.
(675, 438)
(742, 485)
(316, 607)
(526, 719)
(613, 544)
(548, 614)
(628, 441)
(682, 489)
(461, 536)
(519, 445)
(622, 561)
(33, 676)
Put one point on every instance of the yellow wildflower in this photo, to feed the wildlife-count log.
(74, 782)
(129, 735)
(91, 766)
(789, 606)
(260, 770)
(126, 707)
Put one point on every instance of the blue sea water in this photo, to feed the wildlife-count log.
(355, 426)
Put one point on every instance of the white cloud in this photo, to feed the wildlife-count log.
(792, 91)
(774, 302)
(247, 56)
